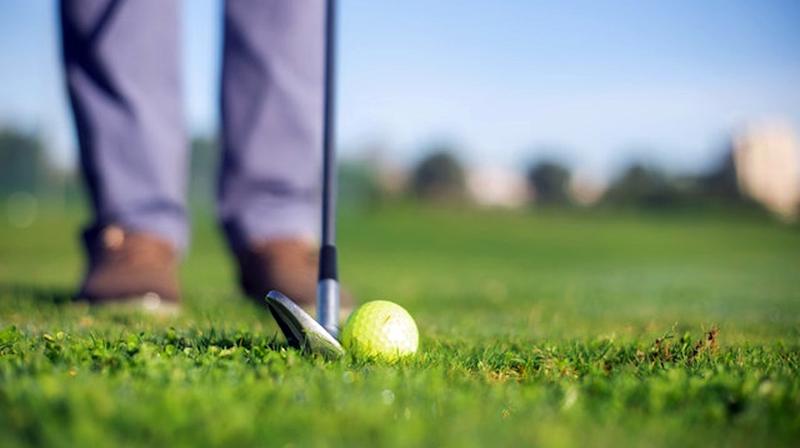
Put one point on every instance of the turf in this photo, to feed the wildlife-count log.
(552, 328)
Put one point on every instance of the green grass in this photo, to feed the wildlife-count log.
(564, 329)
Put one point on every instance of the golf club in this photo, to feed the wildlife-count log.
(300, 330)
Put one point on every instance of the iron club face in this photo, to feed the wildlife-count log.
(300, 329)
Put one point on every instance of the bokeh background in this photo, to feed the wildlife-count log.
(589, 207)
(507, 104)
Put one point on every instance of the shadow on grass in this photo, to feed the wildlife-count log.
(38, 293)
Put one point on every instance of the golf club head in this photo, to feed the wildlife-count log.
(300, 329)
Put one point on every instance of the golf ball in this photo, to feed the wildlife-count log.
(380, 329)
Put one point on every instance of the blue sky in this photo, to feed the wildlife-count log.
(596, 82)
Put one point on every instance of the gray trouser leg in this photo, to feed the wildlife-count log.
(272, 119)
(122, 69)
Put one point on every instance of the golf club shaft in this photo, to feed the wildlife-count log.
(329, 131)
(328, 286)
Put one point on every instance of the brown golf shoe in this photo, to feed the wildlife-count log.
(132, 267)
(287, 265)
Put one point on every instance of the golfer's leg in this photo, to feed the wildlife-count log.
(272, 119)
(122, 69)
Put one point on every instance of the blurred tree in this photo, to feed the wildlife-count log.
(26, 171)
(358, 184)
(23, 166)
(720, 182)
(439, 177)
(203, 169)
(549, 181)
(641, 185)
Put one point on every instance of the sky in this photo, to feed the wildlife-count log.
(592, 83)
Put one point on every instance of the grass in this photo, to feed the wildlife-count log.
(557, 328)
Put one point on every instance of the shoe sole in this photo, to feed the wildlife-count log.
(149, 303)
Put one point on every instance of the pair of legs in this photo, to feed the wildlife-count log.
(122, 66)
(122, 61)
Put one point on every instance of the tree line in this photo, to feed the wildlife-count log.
(439, 176)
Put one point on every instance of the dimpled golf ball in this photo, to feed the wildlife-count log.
(381, 330)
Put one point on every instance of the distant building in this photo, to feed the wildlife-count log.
(586, 189)
(391, 177)
(497, 187)
(767, 159)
